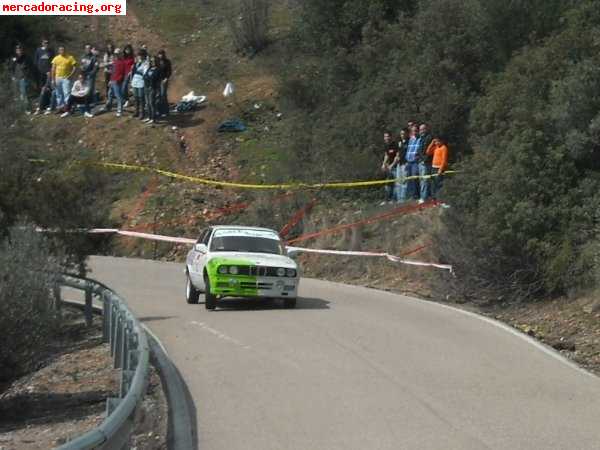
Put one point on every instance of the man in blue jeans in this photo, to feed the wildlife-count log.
(413, 158)
(424, 163)
(20, 71)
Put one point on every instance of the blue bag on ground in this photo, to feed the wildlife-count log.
(232, 125)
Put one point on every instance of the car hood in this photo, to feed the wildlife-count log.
(257, 259)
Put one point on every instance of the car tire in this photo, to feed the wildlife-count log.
(289, 303)
(210, 300)
(191, 293)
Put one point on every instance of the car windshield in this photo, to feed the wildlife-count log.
(246, 244)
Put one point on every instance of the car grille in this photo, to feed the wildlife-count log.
(250, 285)
(256, 271)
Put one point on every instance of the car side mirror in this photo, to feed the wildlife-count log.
(201, 248)
(293, 253)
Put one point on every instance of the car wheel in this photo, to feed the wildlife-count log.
(191, 293)
(210, 300)
(289, 303)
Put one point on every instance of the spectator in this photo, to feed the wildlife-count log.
(137, 82)
(20, 72)
(129, 60)
(80, 95)
(152, 83)
(401, 184)
(390, 159)
(107, 65)
(117, 76)
(89, 69)
(47, 98)
(424, 163)
(63, 68)
(42, 61)
(438, 151)
(413, 155)
(403, 139)
(164, 65)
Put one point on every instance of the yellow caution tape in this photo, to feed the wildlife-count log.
(299, 185)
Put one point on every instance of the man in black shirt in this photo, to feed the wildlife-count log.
(20, 72)
(42, 61)
(164, 66)
(391, 156)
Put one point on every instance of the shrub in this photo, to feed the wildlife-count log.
(28, 272)
(249, 25)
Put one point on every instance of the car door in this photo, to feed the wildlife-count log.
(201, 258)
(193, 261)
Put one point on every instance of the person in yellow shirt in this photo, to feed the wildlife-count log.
(63, 68)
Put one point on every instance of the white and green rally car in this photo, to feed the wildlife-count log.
(236, 261)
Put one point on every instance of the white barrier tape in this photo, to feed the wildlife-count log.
(148, 236)
(178, 240)
(392, 258)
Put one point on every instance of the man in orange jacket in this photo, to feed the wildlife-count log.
(439, 150)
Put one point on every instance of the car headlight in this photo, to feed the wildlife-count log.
(233, 270)
(291, 273)
(222, 270)
(281, 272)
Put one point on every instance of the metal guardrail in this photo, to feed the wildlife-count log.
(130, 351)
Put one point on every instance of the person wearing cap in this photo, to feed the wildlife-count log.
(117, 75)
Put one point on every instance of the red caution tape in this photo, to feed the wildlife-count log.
(377, 218)
(296, 218)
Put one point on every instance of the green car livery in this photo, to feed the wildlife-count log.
(243, 262)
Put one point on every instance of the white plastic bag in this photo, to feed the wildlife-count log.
(192, 97)
(229, 90)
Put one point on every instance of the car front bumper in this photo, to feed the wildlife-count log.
(253, 287)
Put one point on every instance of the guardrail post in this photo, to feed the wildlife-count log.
(57, 299)
(125, 345)
(126, 378)
(88, 306)
(114, 318)
(106, 312)
(119, 343)
(111, 405)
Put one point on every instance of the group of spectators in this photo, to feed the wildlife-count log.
(129, 78)
(416, 161)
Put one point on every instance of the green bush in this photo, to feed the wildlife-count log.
(28, 273)
(524, 207)
(249, 22)
(513, 85)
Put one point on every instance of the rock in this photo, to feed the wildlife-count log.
(593, 308)
(562, 344)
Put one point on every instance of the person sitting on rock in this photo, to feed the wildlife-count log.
(79, 96)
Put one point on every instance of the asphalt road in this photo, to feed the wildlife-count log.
(354, 368)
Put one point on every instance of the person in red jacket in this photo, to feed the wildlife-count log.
(129, 60)
(438, 149)
(118, 74)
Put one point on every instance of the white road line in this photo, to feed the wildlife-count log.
(160, 344)
(220, 335)
(539, 345)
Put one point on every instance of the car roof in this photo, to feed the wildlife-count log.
(242, 227)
